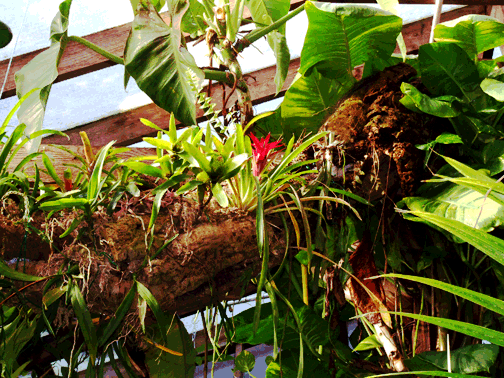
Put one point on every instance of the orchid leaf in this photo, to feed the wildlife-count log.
(85, 322)
(40, 73)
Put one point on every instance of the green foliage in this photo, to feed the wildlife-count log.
(5, 35)
(153, 58)
(466, 360)
(340, 37)
(245, 362)
(14, 335)
(466, 92)
(164, 364)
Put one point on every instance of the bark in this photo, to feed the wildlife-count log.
(210, 259)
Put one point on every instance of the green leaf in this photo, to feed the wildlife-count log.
(340, 37)
(462, 204)
(479, 177)
(9, 145)
(142, 311)
(158, 4)
(263, 248)
(53, 295)
(427, 373)
(154, 58)
(143, 168)
(96, 181)
(473, 330)
(40, 73)
(433, 106)
(153, 304)
(220, 195)
(445, 138)
(291, 155)
(466, 360)
(14, 337)
(72, 227)
(370, 342)
(193, 21)
(160, 143)
(162, 364)
(486, 301)
(5, 35)
(446, 69)
(85, 322)
(245, 361)
(308, 101)
(64, 203)
(289, 366)
(494, 88)
(196, 158)
(474, 33)
(119, 315)
(20, 369)
(8, 272)
(486, 243)
(52, 172)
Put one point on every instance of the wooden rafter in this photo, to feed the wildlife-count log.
(126, 128)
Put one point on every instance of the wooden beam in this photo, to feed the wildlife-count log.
(127, 129)
(79, 60)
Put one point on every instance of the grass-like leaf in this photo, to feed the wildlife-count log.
(85, 321)
(95, 181)
(15, 275)
(481, 299)
(119, 315)
(153, 304)
(486, 243)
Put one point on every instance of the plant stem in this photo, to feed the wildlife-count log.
(223, 77)
(256, 34)
(98, 49)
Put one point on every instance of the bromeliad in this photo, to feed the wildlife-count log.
(262, 152)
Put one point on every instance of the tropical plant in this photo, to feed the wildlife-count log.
(308, 315)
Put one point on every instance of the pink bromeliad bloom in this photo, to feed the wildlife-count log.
(263, 151)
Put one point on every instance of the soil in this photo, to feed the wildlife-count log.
(376, 135)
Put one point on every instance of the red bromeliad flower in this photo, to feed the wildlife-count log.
(262, 150)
